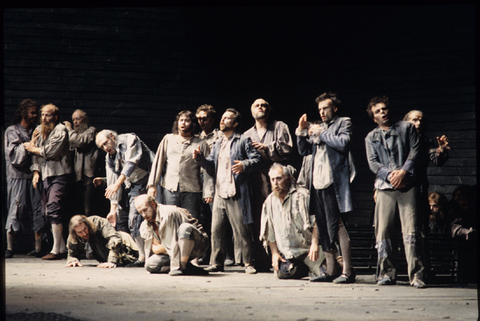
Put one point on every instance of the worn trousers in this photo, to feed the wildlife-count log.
(229, 211)
(388, 201)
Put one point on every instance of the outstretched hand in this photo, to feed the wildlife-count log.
(302, 122)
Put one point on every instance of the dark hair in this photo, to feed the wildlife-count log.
(377, 100)
(211, 112)
(329, 95)
(74, 222)
(190, 115)
(238, 116)
(22, 110)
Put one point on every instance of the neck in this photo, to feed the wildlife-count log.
(228, 133)
(185, 135)
(261, 123)
(25, 124)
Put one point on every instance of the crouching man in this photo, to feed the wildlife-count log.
(170, 230)
(288, 229)
(109, 247)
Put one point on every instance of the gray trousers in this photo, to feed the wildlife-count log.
(225, 211)
(22, 198)
(385, 232)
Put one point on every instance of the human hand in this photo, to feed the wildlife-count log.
(152, 191)
(68, 125)
(74, 264)
(302, 122)
(112, 218)
(208, 200)
(238, 167)
(35, 179)
(107, 265)
(442, 143)
(111, 190)
(259, 146)
(97, 181)
(196, 152)
(276, 258)
(313, 254)
(397, 178)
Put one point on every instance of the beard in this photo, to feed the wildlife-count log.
(261, 115)
(47, 129)
(81, 128)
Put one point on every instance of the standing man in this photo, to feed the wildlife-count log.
(52, 163)
(172, 235)
(128, 161)
(178, 172)
(272, 140)
(288, 228)
(230, 161)
(393, 153)
(207, 118)
(332, 171)
(82, 142)
(21, 196)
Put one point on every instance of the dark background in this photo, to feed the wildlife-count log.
(134, 69)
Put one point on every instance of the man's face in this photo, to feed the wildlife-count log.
(147, 210)
(77, 119)
(32, 114)
(82, 231)
(205, 121)
(47, 116)
(416, 119)
(279, 182)
(260, 109)
(326, 110)
(380, 114)
(184, 125)
(108, 144)
(434, 207)
(227, 122)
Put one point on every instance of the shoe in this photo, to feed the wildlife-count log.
(194, 270)
(344, 279)
(53, 256)
(250, 270)
(214, 268)
(8, 254)
(137, 263)
(176, 272)
(419, 284)
(386, 281)
(323, 278)
(229, 262)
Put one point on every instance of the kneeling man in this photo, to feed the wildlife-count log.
(110, 247)
(288, 229)
(170, 230)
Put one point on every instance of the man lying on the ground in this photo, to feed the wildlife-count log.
(170, 230)
(109, 247)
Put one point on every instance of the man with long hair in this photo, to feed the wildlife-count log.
(21, 196)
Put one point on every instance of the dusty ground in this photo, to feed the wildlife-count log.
(42, 290)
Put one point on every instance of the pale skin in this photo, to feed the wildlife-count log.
(82, 231)
(148, 210)
(416, 118)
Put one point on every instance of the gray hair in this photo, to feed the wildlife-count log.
(288, 171)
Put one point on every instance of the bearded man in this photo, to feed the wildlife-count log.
(288, 228)
(110, 247)
(82, 143)
(51, 163)
(21, 196)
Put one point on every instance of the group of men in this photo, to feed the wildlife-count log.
(161, 202)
